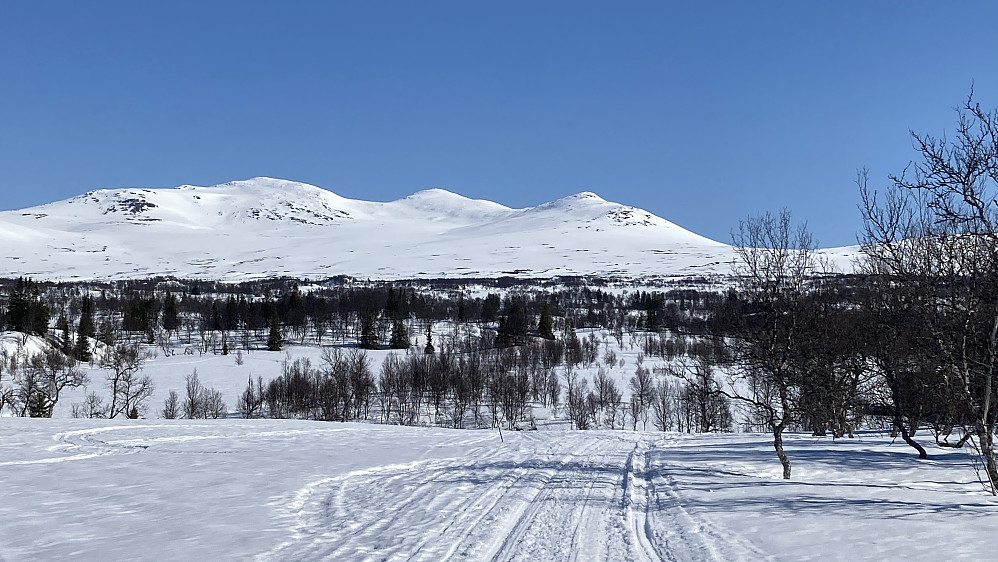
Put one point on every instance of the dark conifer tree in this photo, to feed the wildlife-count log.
(490, 308)
(545, 327)
(62, 326)
(85, 330)
(230, 318)
(368, 333)
(392, 304)
(517, 322)
(171, 317)
(503, 336)
(17, 308)
(26, 312)
(274, 341)
(216, 318)
(428, 349)
(400, 335)
(295, 311)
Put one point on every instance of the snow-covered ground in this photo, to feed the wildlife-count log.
(264, 228)
(262, 489)
(296, 490)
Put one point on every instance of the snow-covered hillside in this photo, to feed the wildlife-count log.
(266, 227)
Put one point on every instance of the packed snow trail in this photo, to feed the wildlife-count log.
(530, 498)
(296, 490)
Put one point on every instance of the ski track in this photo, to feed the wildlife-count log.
(684, 534)
(604, 499)
(86, 444)
(636, 504)
(607, 498)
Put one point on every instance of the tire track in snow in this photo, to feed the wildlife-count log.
(578, 515)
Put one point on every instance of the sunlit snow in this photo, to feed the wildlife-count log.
(264, 227)
(296, 490)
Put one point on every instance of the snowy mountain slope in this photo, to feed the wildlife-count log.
(266, 227)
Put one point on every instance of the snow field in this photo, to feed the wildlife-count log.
(296, 490)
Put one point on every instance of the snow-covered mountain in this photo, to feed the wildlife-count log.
(266, 227)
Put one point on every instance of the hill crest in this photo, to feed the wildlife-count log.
(264, 227)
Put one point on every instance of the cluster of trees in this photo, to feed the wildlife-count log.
(201, 317)
(199, 401)
(31, 383)
(915, 341)
(930, 245)
(340, 390)
(448, 386)
(110, 326)
(464, 384)
(25, 311)
(36, 381)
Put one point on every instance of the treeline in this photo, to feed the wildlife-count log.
(219, 318)
(511, 338)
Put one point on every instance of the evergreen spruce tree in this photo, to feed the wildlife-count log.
(39, 316)
(171, 316)
(368, 333)
(85, 330)
(392, 304)
(545, 327)
(216, 318)
(17, 307)
(62, 325)
(400, 335)
(429, 342)
(274, 341)
(573, 347)
(490, 307)
(38, 406)
(26, 313)
(230, 317)
(503, 336)
(517, 322)
(295, 310)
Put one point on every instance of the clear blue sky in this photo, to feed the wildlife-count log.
(701, 112)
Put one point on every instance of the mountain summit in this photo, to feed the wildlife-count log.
(265, 227)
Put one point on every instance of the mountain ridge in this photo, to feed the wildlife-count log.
(268, 227)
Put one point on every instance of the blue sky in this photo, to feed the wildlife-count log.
(700, 112)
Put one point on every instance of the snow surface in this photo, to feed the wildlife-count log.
(263, 227)
(296, 490)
